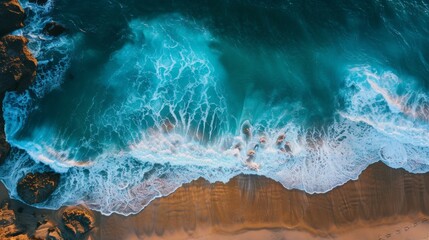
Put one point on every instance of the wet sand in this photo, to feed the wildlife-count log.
(383, 203)
(381, 196)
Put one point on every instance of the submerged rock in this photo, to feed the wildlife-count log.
(54, 29)
(12, 16)
(40, 2)
(37, 187)
(17, 64)
(78, 221)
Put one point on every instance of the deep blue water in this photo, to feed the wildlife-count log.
(139, 97)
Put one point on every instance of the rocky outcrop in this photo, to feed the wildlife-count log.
(37, 187)
(12, 16)
(17, 72)
(48, 230)
(77, 221)
(54, 29)
(17, 64)
(8, 226)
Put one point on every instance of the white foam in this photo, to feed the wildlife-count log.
(394, 109)
(174, 121)
(126, 181)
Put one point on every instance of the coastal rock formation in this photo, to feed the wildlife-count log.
(78, 221)
(13, 12)
(37, 187)
(8, 227)
(17, 71)
(17, 64)
(48, 230)
(54, 29)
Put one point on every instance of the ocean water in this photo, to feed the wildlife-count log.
(140, 97)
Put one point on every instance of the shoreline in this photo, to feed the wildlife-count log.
(379, 203)
(250, 202)
(383, 203)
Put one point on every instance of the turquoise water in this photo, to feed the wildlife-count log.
(140, 97)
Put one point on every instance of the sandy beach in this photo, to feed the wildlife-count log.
(383, 203)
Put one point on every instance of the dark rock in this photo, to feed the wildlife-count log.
(78, 221)
(17, 72)
(48, 230)
(40, 2)
(8, 227)
(4, 145)
(54, 29)
(17, 64)
(12, 16)
(37, 187)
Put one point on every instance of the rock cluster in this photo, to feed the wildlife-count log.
(17, 72)
(17, 65)
(75, 223)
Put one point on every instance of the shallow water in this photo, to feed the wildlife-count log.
(140, 97)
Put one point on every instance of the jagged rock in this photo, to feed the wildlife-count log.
(12, 16)
(17, 64)
(40, 2)
(8, 227)
(7, 217)
(54, 29)
(78, 221)
(17, 71)
(48, 230)
(37, 187)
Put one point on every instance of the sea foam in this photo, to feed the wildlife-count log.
(158, 118)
